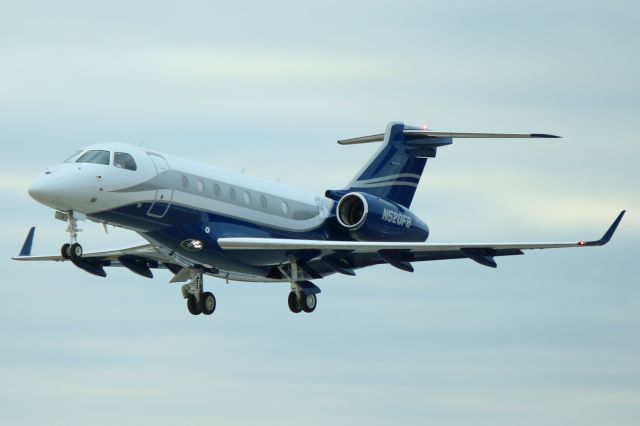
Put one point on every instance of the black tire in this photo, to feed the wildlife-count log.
(192, 305)
(207, 303)
(294, 304)
(65, 251)
(75, 251)
(309, 303)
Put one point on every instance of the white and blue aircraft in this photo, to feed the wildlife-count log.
(200, 220)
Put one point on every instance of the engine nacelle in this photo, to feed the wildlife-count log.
(371, 218)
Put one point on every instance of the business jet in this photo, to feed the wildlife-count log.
(200, 220)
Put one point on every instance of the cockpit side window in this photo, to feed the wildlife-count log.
(124, 161)
(95, 157)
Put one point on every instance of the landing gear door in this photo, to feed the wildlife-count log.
(164, 194)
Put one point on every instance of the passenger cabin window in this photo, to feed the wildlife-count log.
(95, 157)
(123, 160)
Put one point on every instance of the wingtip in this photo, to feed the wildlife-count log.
(28, 243)
(609, 234)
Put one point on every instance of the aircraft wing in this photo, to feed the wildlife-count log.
(341, 254)
(139, 259)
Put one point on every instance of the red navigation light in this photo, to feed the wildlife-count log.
(582, 243)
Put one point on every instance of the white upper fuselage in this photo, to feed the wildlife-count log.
(110, 176)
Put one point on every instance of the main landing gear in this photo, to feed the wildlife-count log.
(303, 297)
(305, 303)
(303, 293)
(72, 250)
(198, 301)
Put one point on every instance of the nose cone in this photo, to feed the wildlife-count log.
(43, 190)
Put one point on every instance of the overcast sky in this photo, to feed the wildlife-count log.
(550, 338)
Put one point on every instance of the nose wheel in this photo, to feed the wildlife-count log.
(72, 250)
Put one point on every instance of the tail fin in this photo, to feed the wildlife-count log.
(395, 170)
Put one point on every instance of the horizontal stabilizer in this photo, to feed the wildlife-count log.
(417, 134)
(395, 170)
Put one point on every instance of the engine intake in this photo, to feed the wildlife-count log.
(352, 211)
(371, 218)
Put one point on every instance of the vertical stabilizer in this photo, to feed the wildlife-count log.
(396, 168)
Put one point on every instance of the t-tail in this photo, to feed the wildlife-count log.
(394, 172)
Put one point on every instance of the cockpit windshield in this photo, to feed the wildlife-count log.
(95, 157)
(73, 157)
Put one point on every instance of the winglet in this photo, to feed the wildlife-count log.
(26, 247)
(607, 235)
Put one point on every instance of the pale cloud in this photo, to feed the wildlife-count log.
(221, 67)
(537, 199)
(14, 184)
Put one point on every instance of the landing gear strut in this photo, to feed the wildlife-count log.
(198, 301)
(72, 250)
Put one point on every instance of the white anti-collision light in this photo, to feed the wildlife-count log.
(192, 245)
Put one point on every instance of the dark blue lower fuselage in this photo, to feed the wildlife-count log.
(181, 224)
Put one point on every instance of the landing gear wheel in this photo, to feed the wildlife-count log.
(193, 306)
(75, 251)
(207, 303)
(309, 303)
(65, 251)
(294, 304)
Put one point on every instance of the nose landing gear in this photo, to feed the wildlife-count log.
(72, 250)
